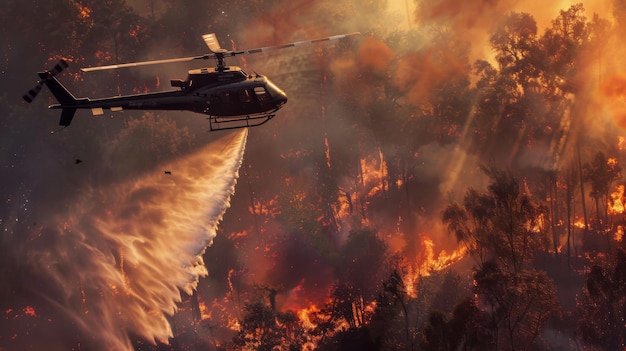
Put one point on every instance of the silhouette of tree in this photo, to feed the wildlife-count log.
(562, 43)
(115, 28)
(603, 304)
(601, 173)
(502, 224)
(519, 304)
(363, 248)
(264, 329)
(392, 305)
(502, 231)
(463, 330)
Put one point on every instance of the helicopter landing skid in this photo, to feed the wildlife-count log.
(236, 122)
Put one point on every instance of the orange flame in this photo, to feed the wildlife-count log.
(615, 204)
(619, 234)
(374, 172)
(269, 208)
(327, 150)
(410, 280)
(430, 263)
(443, 259)
(579, 223)
(84, 12)
(304, 315)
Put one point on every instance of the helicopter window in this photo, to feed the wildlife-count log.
(244, 96)
(261, 93)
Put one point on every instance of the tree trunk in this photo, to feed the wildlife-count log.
(582, 188)
(568, 203)
(554, 214)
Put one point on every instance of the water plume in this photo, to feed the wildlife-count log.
(116, 263)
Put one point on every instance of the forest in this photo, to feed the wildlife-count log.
(451, 179)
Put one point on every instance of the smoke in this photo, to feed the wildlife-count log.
(613, 88)
(115, 263)
(473, 21)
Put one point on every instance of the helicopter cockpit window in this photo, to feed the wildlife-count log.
(261, 93)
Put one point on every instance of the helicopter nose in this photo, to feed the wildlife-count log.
(281, 99)
(279, 96)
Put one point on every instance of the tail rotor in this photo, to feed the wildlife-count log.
(32, 93)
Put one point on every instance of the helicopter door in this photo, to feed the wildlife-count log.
(245, 96)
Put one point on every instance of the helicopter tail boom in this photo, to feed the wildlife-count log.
(67, 102)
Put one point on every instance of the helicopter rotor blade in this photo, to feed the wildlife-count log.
(294, 44)
(214, 45)
(218, 53)
(147, 63)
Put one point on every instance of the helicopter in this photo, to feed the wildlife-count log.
(229, 96)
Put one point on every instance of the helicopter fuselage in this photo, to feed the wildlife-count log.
(229, 96)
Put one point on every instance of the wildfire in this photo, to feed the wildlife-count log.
(205, 312)
(579, 223)
(410, 280)
(615, 204)
(269, 208)
(429, 263)
(374, 173)
(84, 12)
(443, 259)
(327, 151)
(619, 233)
(233, 324)
(305, 314)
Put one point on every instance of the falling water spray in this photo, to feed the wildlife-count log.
(115, 264)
